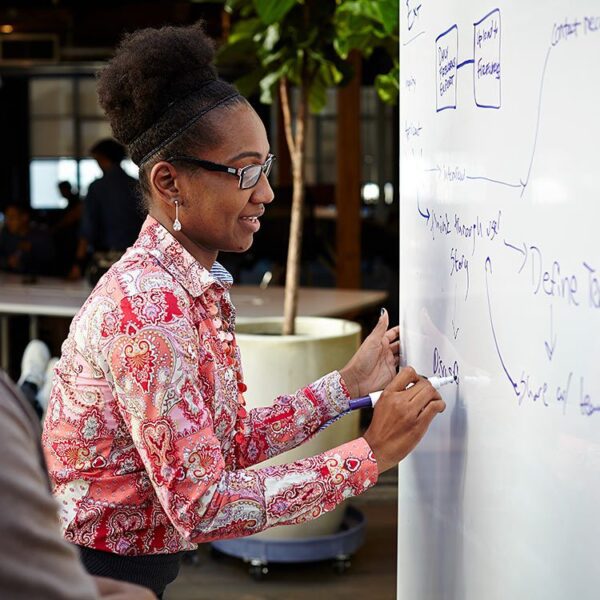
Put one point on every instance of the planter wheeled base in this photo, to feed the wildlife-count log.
(339, 547)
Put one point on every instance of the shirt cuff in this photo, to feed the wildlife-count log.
(352, 468)
(331, 394)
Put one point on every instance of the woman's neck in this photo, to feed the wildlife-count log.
(204, 256)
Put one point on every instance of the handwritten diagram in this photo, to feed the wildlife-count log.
(474, 239)
(500, 287)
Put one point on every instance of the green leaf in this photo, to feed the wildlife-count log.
(317, 96)
(267, 84)
(273, 11)
(242, 52)
(249, 83)
(390, 13)
(387, 86)
(244, 29)
(271, 37)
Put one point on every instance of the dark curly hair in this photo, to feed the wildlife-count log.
(161, 94)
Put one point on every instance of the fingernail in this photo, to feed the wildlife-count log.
(381, 312)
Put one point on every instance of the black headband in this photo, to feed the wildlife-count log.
(172, 123)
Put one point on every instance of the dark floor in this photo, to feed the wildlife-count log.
(372, 573)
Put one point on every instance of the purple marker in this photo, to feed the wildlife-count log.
(370, 400)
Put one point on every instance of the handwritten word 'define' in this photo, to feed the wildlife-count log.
(552, 281)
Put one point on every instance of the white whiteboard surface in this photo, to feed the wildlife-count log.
(500, 284)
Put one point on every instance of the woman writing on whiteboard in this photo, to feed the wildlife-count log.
(147, 438)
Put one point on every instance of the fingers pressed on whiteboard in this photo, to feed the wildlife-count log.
(393, 333)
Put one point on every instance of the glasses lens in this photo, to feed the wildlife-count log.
(250, 176)
(267, 166)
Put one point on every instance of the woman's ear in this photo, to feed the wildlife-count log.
(163, 181)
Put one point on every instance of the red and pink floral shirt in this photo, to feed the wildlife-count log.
(146, 436)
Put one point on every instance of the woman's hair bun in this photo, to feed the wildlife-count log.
(150, 70)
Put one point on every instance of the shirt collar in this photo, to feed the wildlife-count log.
(196, 279)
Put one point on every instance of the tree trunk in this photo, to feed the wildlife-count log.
(296, 145)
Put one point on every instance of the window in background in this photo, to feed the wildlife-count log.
(66, 120)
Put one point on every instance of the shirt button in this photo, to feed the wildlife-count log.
(242, 386)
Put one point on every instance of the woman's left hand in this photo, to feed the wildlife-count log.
(375, 363)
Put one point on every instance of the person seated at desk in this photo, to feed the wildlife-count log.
(111, 218)
(35, 562)
(24, 248)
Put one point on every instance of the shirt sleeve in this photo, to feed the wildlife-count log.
(35, 560)
(291, 420)
(155, 374)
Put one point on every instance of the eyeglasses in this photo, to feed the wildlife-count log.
(248, 175)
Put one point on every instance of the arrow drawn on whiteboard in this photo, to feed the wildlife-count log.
(455, 329)
(488, 270)
(550, 347)
(523, 252)
(436, 169)
(424, 215)
(521, 185)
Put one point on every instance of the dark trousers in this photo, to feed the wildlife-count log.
(154, 571)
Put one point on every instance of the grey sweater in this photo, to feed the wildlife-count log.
(36, 563)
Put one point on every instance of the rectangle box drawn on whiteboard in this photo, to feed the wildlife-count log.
(487, 74)
(446, 61)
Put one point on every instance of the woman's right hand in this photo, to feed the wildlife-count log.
(401, 417)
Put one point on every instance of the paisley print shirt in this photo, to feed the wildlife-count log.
(146, 436)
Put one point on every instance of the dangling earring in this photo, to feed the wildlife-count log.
(177, 222)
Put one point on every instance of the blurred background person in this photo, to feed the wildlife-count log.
(111, 218)
(24, 247)
(65, 232)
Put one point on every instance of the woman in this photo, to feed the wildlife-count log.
(147, 438)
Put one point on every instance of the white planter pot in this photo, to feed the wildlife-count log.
(274, 364)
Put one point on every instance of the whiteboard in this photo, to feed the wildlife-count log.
(500, 285)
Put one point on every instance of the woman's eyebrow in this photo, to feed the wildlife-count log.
(247, 154)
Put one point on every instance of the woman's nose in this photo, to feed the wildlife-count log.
(263, 192)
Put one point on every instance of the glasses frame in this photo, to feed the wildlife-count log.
(211, 166)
